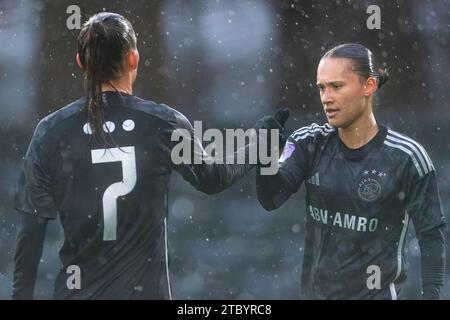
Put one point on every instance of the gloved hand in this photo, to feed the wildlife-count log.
(275, 121)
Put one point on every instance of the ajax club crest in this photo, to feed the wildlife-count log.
(369, 189)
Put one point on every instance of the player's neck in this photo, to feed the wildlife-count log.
(359, 133)
(123, 84)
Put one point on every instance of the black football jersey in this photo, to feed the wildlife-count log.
(359, 203)
(112, 201)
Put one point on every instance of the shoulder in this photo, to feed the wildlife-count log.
(158, 110)
(307, 140)
(312, 132)
(51, 121)
(411, 150)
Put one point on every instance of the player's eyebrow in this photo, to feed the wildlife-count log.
(335, 82)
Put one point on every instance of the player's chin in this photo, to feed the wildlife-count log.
(335, 122)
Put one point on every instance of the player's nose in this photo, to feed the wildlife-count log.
(326, 98)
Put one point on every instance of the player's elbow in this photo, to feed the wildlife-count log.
(270, 200)
(211, 189)
(211, 192)
(268, 205)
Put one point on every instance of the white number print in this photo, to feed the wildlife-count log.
(126, 155)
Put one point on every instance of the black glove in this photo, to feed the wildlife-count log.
(276, 121)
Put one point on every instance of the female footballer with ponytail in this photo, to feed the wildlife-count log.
(102, 163)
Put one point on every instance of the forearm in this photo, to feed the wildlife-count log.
(216, 177)
(432, 247)
(29, 245)
(273, 190)
(213, 174)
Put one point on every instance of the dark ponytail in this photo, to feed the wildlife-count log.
(103, 43)
(383, 77)
(362, 59)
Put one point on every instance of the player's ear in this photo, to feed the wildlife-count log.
(370, 86)
(78, 61)
(133, 59)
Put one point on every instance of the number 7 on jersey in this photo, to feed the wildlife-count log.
(126, 155)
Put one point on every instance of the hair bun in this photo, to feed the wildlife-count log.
(383, 77)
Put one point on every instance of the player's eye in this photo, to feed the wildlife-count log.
(336, 86)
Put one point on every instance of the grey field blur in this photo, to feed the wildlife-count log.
(226, 63)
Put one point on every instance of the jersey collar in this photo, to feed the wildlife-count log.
(362, 152)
